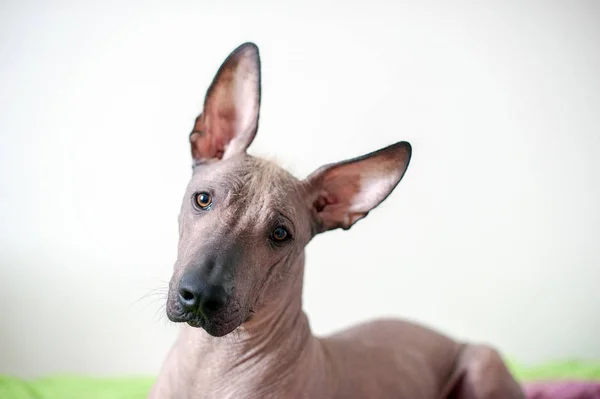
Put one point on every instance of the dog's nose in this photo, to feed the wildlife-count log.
(197, 296)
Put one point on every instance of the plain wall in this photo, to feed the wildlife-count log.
(491, 236)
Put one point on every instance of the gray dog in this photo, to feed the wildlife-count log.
(237, 281)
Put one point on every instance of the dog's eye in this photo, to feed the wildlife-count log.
(203, 200)
(280, 234)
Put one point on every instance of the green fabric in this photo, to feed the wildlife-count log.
(77, 387)
(563, 370)
(74, 387)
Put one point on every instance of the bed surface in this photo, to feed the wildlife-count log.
(556, 380)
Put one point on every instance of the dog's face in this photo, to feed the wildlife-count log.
(242, 225)
(245, 221)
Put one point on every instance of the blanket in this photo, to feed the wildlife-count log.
(557, 380)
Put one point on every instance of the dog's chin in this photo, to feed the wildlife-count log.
(219, 330)
(218, 325)
(215, 326)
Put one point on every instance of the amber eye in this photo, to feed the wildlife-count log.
(203, 200)
(280, 234)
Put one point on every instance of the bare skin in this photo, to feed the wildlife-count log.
(237, 282)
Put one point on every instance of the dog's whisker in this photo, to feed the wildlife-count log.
(160, 316)
(154, 294)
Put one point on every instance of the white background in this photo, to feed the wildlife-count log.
(492, 235)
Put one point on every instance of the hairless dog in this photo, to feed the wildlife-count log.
(237, 281)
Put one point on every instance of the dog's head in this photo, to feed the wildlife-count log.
(244, 221)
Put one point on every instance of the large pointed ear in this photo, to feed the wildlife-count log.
(341, 194)
(229, 121)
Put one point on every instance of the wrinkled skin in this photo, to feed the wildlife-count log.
(237, 282)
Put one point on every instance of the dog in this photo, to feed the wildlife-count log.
(236, 286)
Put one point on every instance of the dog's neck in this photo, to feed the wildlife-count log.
(264, 354)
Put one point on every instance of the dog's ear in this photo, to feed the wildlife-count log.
(229, 121)
(340, 194)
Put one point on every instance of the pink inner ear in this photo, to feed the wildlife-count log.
(347, 191)
(323, 200)
(204, 146)
(221, 140)
(229, 121)
(334, 212)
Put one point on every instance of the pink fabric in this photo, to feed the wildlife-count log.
(563, 390)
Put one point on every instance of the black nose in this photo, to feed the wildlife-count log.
(198, 296)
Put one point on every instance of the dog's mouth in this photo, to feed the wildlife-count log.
(217, 325)
(196, 322)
